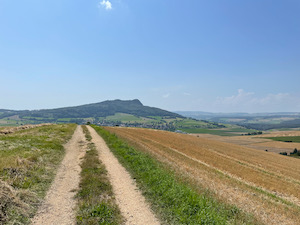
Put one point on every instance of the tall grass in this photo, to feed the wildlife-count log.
(96, 204)
(172, 200)
(28, 163)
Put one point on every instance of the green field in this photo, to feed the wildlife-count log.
(10, 122)
(37, 118)
(156, 117)
(286, 139)
(17, 122)
(190, 122)
(125, 118)
(234, 131)
(66, 120)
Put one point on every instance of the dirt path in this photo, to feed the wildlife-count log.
(59, 202)
(129, 199)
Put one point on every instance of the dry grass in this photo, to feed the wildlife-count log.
(263, 183)
(259, 142)
(10, 130)
(281, 134)
(28, 162)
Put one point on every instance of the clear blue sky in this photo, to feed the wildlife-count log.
(204, 55)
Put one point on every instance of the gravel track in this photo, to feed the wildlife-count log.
(132, 204)
(59, 204)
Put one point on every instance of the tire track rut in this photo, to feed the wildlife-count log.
(59, 204)
(132, 204)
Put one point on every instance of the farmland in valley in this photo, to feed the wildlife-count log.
(257, 121)
(262, 183)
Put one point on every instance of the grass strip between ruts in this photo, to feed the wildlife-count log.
(173, 201)
(96, 203)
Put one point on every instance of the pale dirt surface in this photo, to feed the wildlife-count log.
(132, 204)
(59, 204)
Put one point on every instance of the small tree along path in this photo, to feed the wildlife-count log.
(129, 199)
(59, 204)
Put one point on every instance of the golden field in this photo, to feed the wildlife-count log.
(262, 183)
(259, 141)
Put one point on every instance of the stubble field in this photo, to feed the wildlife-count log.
(259, 142)
(262, 183)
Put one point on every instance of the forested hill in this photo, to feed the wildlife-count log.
(101, 109)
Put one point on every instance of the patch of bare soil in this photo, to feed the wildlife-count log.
(132, 204)
(59, 204)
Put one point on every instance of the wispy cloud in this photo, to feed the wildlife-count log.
(240, 98)
(166, 95)
(105, 4)
(187, 94)
(248, 101)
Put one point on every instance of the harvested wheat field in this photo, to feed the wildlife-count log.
(259, 142)
(262, 183)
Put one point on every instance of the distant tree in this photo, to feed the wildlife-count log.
(294, 152)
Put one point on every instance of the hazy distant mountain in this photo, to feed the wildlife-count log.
(258, 121)
(210, 115)
(101, 109)
(207, 115)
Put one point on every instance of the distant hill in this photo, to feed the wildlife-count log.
(95, 110)
(130, 113)
(102, 109)
(207, 115)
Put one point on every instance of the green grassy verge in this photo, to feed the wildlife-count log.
(174, 201)
(28, 163)
(96, 204)
(286, 139)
